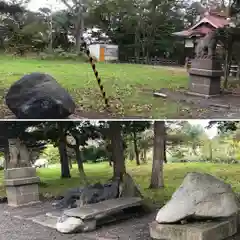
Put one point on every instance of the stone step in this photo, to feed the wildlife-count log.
(50, 218)
(104, 208)
(45, 220)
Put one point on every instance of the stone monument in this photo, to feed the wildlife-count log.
(202, 208)
(206, 71)
(21, 181)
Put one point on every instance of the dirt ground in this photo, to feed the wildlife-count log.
(226, 106)
(15, 226)
(191, 111)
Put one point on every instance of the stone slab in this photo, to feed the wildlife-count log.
(202, 95)
(55, 214)
(103, 208)
(46, 221)
(21, 181)
(205, 72)
(14, 173)
(215, 230)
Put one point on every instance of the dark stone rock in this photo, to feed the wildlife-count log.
(98, 193)
(69, 199)
(39, 96)
(95, 193)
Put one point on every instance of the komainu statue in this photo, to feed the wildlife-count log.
(19, 154)
(206, 47)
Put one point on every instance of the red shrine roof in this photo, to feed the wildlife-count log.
(209, 22)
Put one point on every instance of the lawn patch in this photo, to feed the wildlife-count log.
(128, 86)
(174, 174)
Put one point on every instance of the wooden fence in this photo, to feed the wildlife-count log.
(153, 61)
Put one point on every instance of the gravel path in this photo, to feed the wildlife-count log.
(15, 226)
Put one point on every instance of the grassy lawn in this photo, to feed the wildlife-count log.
(173, 176)
(128, 86)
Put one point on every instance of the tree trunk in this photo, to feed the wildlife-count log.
(115, 132)
(6, 153)
(144, 155)
(238, 72)
(65, 171)
(131, 155)
(137, 41)
(79, 29)
(70, 163)
(165, 148)
(158, 155)
(80, 163)
(228, 61)
(109, 151)
(210, 151)
(136, 147)
(50, 45)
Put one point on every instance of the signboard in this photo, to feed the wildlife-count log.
(189, 43)
(111, 51)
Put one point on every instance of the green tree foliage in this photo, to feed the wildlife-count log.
(140, 28)
(22, 30)
(132, 131)
(224, 126)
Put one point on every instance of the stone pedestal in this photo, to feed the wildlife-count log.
(21, 186)
(215, 230)
(205, 77)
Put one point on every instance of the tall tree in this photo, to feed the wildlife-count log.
(78, 10)
(159, 155)
(81, 132)
(62, 146)
(115, 130)
(133, 129)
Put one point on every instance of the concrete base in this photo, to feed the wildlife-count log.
(215, 230)
(205, 77)
(205, 85)
(21, 186)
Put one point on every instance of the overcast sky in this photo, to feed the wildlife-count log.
(211, 132)
(34, 5)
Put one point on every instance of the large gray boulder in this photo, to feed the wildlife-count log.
(200, 196)
(39, 96)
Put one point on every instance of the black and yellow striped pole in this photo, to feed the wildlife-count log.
(99, 81)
